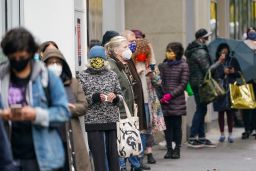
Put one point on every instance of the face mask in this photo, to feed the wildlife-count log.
(127, 54)
(170, 56)
(132, 46)
(57, 69)
(97, 63)
(20, 64)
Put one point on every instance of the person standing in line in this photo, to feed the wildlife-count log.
(36, 144)
(76, 155)
(102, 91)
(199, 63)
(249, 115)
(119, 57)
(174, 74)
(225, 74)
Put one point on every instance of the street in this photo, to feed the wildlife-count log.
(239, 156)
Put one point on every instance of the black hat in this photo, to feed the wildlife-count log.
(109, 35)
(201, 33)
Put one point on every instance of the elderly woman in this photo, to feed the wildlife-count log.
(102, 90)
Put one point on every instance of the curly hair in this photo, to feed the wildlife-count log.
(18, 39)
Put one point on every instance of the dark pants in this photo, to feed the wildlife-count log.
(173, 132)
(249, 118)
(6, 160)
(230, 120)
(28, 165)
(197, 127)
(103, 146)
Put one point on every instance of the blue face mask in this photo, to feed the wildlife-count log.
(132, 46)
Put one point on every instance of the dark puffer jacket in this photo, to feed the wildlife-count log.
(174, 80)
(199, 62)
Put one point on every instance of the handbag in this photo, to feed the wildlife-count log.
(242, 96)
(128, 134)
(210, 90)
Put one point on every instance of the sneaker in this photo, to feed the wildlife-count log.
(208, 143)
(222, 138)
(195, 144)
(230, 140)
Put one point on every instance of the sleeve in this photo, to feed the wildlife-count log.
(203, 60)
(184, 81)
(117, 88)
(237, 67)
(81, 104)
(58, 111)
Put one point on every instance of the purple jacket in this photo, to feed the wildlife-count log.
(174, 80)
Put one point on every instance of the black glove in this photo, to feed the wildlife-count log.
(96, 98)
(116, 100)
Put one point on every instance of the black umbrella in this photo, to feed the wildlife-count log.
(245, 56)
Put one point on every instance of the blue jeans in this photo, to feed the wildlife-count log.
(197, 127)
(134, 160)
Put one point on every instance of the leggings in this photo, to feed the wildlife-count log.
(230, 120)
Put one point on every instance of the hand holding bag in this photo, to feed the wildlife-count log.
(242, 96)
(128, 134)
(210, 90)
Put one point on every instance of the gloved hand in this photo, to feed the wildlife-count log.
(166, 98)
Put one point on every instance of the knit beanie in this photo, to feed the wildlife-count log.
(97, 51)
(109, 35)
(138, 34)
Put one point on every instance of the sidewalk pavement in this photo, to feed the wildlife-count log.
(239, 156)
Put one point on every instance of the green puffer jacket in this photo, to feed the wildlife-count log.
(199, 62)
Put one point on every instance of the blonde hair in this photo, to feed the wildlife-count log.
(115, 42)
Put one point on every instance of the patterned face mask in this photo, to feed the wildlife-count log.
(97, 63)
(133, 46)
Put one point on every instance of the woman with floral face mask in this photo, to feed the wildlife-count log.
(77, 155)
(102, 90)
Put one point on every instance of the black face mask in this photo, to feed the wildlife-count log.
(20, 64)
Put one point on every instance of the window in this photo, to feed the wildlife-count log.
(213, 16)
(10, 16)
(240, 18)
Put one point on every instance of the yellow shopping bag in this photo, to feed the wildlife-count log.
(242, 96)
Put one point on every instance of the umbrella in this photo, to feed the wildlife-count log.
(245, 56)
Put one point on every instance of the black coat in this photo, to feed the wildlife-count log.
(199, 62)
(223, 103)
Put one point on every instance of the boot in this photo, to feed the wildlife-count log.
(176, 153)
(169, 152)
(136, 169)
(151, 159)
(143, 166)
(245, 135)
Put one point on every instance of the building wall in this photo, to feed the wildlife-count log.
(161, 21)
(55, 24)
(113, 15)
